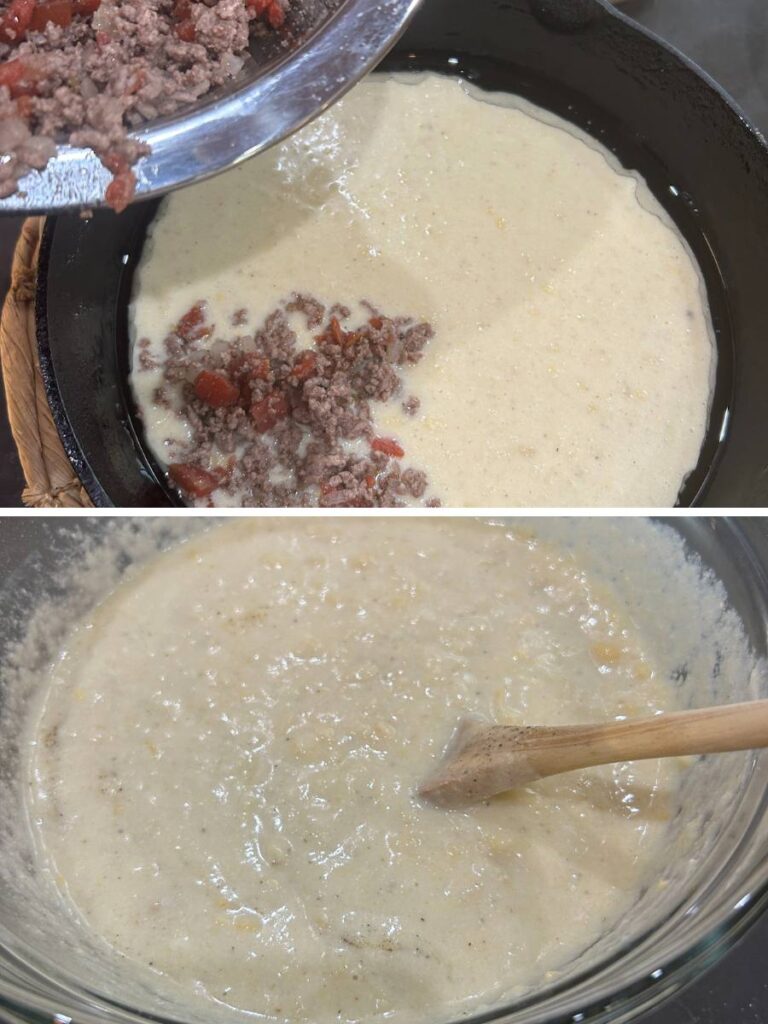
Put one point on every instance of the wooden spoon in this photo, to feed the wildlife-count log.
(483, 760)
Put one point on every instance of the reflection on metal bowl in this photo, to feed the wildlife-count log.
(277, 91)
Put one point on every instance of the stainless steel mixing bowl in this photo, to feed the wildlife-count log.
(261, 106)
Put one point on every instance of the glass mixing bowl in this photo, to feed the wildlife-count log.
(713, 884)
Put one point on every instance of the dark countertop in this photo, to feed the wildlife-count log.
(729, 39)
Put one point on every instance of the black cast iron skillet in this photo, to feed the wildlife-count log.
(582, 60)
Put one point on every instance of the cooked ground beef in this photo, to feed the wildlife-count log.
(88, 71)
(275, 425)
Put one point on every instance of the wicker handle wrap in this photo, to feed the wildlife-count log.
(51, 481)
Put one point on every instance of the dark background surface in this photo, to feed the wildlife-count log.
(729, 39)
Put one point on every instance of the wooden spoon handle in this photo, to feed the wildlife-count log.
(484, 760)
(703, 731)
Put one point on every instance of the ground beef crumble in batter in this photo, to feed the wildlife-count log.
(271, 424)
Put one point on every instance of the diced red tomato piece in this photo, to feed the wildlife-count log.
(376, 322)
(269, 411)
(337, 331)
(15, 22)
(57, 12)
(194, 480)
(334, 334)
(388, 446)
(370, 481)
(85, 7)
(192, 325)
(275, 15)
(304, 366)
(120, 191)
(185, 27)
(182, 11)
(11, 73)
(114, 162)
(186, 31)
(270, 10)
(215, 390)
(21, 76)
